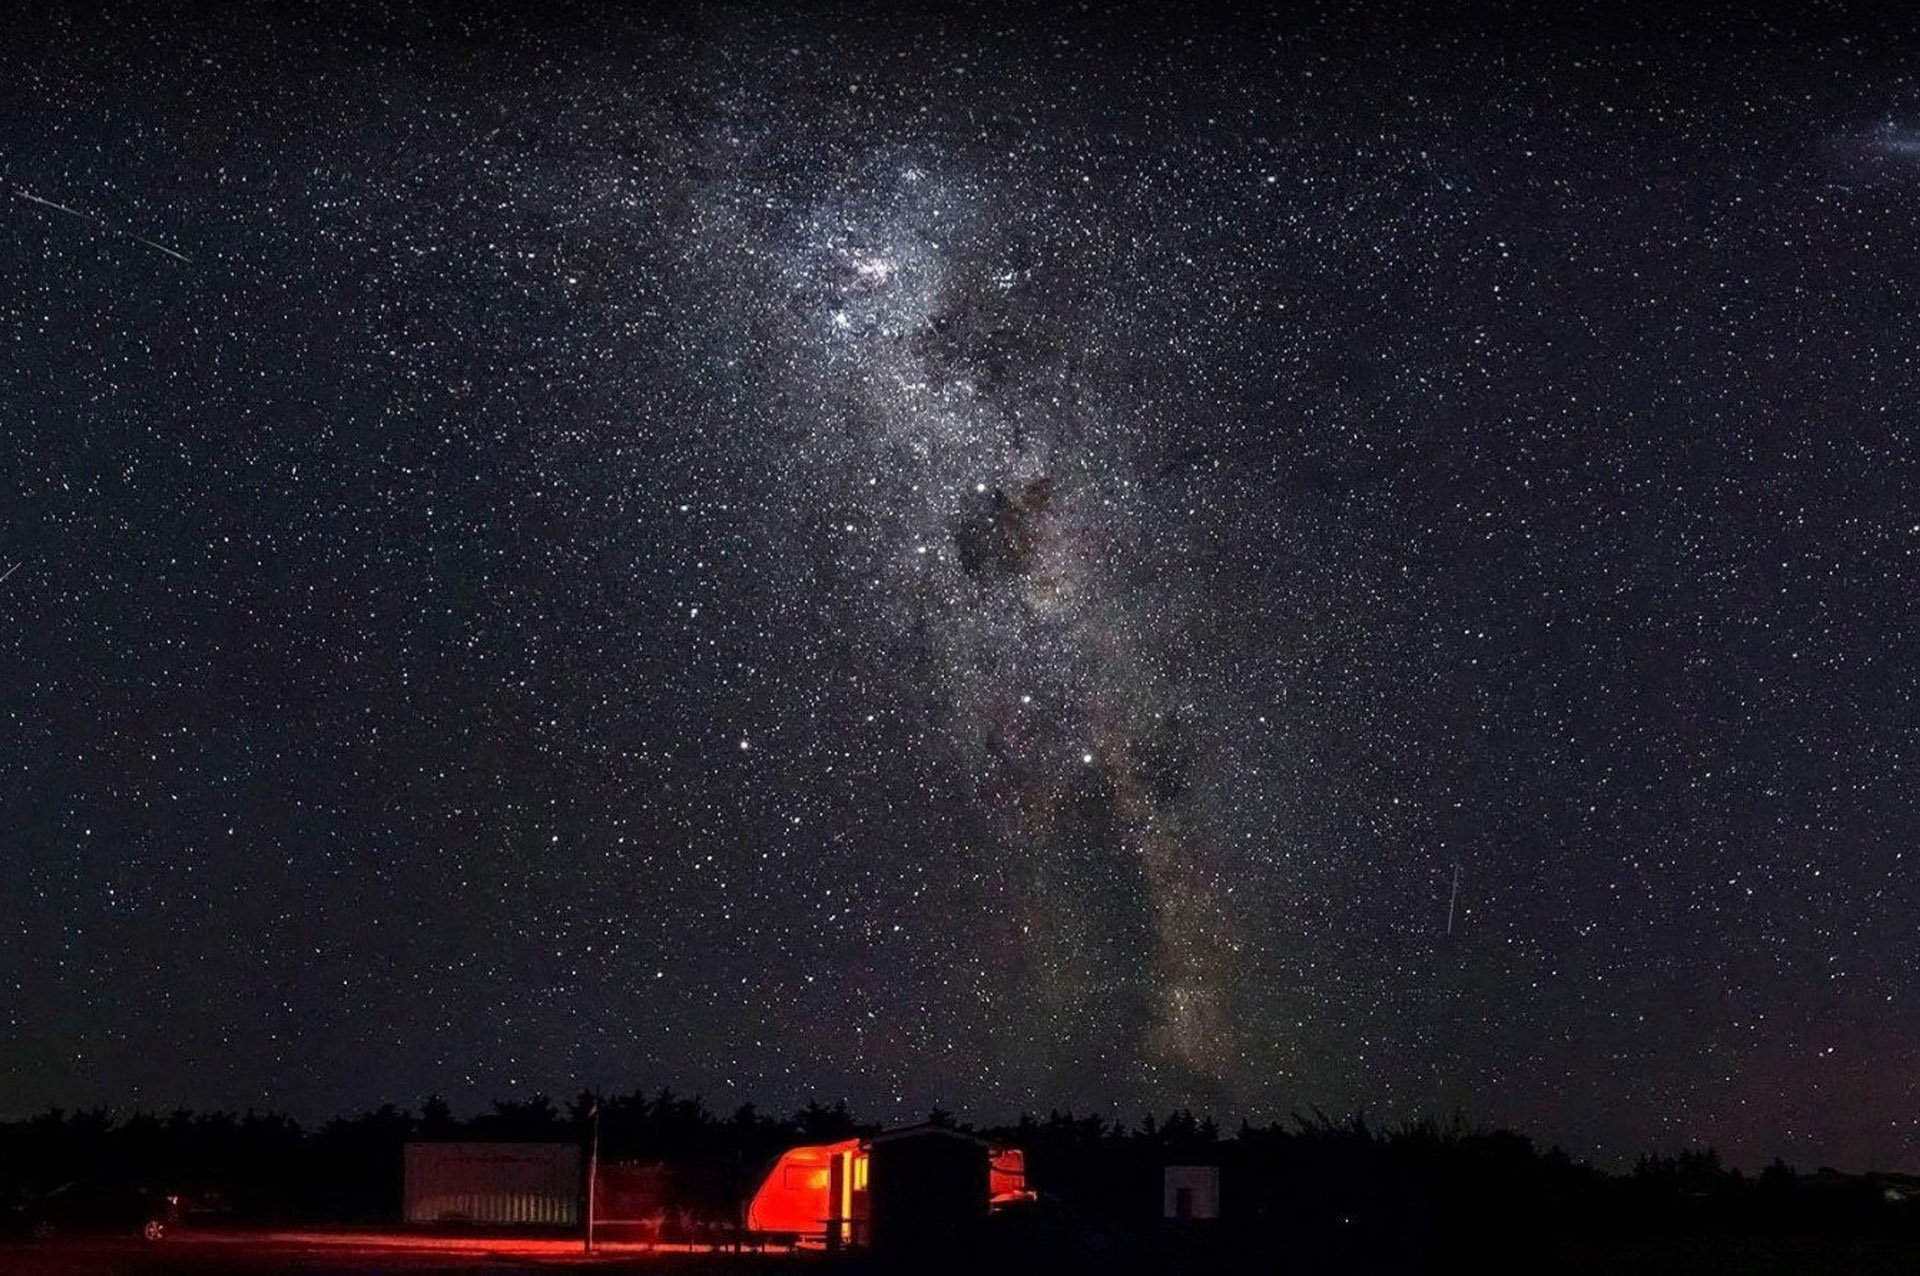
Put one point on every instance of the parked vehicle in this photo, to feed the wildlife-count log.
(93, 1207)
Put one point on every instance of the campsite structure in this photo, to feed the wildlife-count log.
(913, 1188)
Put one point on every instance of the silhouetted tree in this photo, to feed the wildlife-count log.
(436, 1118)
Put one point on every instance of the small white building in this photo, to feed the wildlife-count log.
(1190, 1192)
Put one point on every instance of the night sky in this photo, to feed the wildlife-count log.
(1347, 560)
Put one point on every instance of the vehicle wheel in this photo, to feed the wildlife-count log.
(154, 1230)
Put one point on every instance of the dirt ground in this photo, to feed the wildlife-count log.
(363, 1254)
(391, 1254)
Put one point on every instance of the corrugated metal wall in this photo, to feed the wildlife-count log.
(523, 1183)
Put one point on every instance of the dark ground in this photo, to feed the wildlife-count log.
(366, 1254)
(236, 1254)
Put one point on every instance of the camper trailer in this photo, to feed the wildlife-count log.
(925, 1183)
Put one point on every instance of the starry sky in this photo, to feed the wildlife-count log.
(961, 557)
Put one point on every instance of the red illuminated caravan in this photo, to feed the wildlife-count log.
(1007, 1176)
(816, 1193)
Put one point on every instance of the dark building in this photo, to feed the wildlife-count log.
(928, 1188)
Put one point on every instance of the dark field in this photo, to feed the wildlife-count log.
(377, 1254)
(364, 1254)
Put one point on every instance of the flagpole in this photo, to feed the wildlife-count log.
(593, 1170)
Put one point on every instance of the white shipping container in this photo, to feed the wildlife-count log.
(511, 1183)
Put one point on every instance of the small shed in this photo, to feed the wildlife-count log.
(928, 1188)
(1190, 1192)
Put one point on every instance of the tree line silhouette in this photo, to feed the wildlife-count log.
(1340, 1192)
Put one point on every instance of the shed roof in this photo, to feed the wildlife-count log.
(926, 1130)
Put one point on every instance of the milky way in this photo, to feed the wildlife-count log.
(1339, 562)
(986, 471)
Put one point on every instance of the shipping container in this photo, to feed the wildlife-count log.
(518, 1184)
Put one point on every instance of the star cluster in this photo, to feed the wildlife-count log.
(1342, 561)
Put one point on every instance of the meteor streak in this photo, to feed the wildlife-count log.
(26, 194)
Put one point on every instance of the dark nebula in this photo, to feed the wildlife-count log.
(999, 532)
